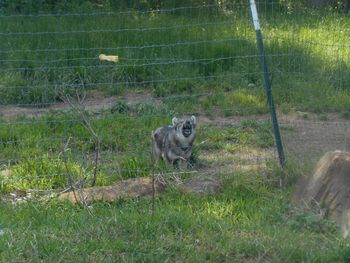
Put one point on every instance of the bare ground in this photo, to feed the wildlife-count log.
(94, 101)
(305, 136)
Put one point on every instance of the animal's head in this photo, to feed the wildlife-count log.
(185, 127)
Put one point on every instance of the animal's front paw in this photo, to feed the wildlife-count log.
(181, 164)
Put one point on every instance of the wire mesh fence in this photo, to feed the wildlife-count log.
(67, 113)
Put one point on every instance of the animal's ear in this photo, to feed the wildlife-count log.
(193, 119)
(174, 120)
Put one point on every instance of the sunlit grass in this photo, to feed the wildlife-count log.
(250, 219)
(193, 63)
(57, 145)
(307, 53)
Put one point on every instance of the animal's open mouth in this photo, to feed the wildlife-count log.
(187, 130)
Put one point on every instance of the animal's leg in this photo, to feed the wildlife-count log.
(180, 163)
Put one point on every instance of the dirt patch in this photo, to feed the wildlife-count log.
(131, 188)
(305, 136)
(230, 120)
(201, 186)
(307, 140)
(94, 101)
(139, 187)
(142, 96)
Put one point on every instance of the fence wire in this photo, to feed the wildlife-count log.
(179, 61)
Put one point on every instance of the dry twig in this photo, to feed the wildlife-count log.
(80, 109)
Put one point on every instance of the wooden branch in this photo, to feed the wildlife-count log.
(80, 109)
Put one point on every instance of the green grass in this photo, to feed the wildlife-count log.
(45, 56)
(250, 133)
(208, 66)
(249, 220)
(36, 152)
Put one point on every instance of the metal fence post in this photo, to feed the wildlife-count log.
(267, 83)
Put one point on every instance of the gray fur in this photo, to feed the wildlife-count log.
(174, 143)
